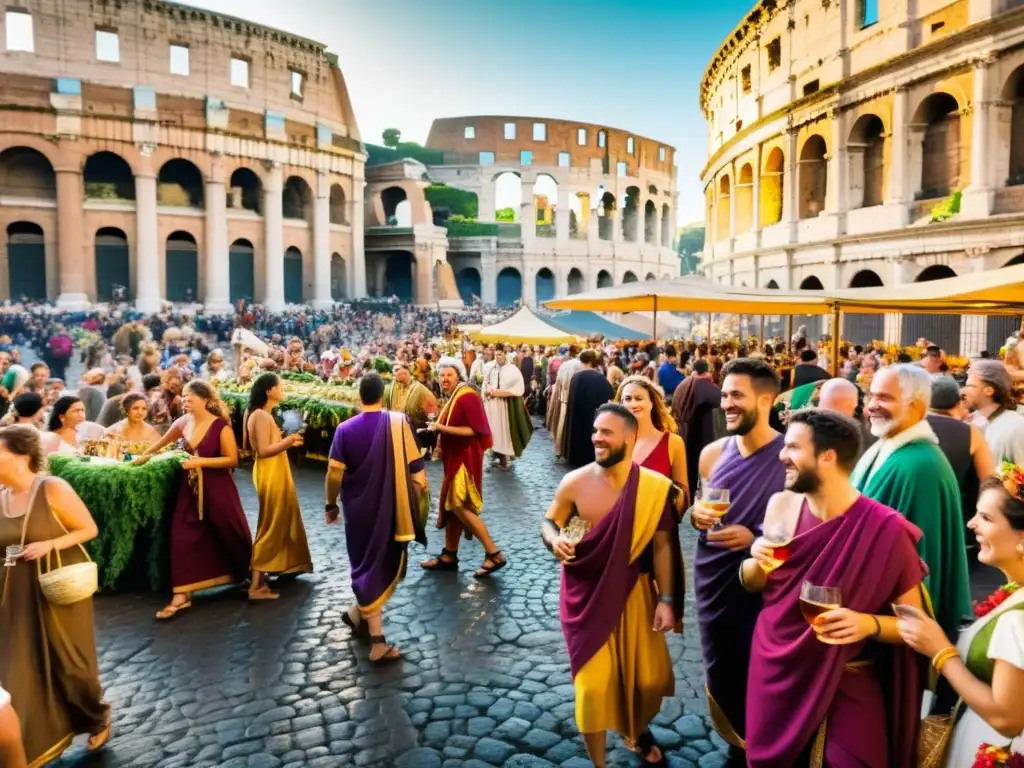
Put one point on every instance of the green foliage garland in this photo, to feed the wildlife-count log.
(947, 209)
(129, 505)
(458, 201)
(309, 378)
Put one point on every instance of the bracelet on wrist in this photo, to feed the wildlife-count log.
(943, 657)
(878, 627)
(667, 599)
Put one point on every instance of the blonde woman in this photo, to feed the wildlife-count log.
(658, 445)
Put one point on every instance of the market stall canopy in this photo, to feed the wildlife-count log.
(590, 324)
(695, 294)
(668, 325)
(524, 327)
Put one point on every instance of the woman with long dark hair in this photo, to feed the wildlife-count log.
(211, 544)
(280, 547)
(67, 414)
(133, 427)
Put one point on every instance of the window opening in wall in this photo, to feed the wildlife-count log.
(661, 154)
(620, 168)
(179, 60)
(581, 136)
(510, 131)
(630, 145)
(108, 46)
(469, 132)
(602, 139)
(811, 87)
(937, 26)
(868, 12)
(564, 160)
(239, 72)
(486, 158)
(540, 132)
(774, 49)
(298, 84)
(525, 157)
(745, 78)
(18, 26)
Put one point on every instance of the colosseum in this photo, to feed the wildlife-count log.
(859, 143)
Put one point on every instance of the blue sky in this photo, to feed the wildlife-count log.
(631, 64)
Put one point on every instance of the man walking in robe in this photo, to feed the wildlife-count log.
(588, 391)
(746, 463)
(407, 396)
(558, 406)
(612, 618)
(464, 436)
(696, 406)
(503, 390)
(375, 464)
(907, 471)
(848, 674)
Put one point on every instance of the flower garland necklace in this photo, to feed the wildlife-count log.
(989, 756)
(993, 601)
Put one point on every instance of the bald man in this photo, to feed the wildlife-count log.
(839, 396)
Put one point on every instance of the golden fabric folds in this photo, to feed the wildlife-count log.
(446, 413)
(375, 607)
(280, 546)
(463, 493)
(405, 449)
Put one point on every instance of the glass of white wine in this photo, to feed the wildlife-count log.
(575, 530)
(715, 501)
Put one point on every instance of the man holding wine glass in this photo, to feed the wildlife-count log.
(830, 566)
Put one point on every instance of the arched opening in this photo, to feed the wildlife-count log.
(813, 177)
(631, 214)
(26, 173)
(398, 275)
(629, 277)
(246, 193)
(293, 276)
(544, 285)
(811, 284)
(107, 176)
(113, 270)
(545, 197)
(651, 223)
(934, 272)
(510, 286)
(297, 200)
(666, 226)
(943, 330)
(604, 279)
(606, 216)
(813, 323)
(772, 188)
(866, 278)
(241, 271)
(339, 278)
(397, 211)
(724, 192)
(26, 261)
(940, 148)
(650, 276)
(1014, 93)
(745, 199)
(181, 268)
(339, 214)
(861, 328)
(867, 183)
(772, 285)
(579, 215)
(180, 183)
(508, 196)
(1016, 260)
(469, 284)
(575, 282)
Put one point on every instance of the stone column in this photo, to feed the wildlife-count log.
(790, 185)
(528, 213)
(322, 243)
(70, 239)
(973, 335)
(734, 193)
(593, 233)
(273, 218)
(618, 228)
(562, 217)
(216, 299)
(529, 274)
(755, 203)
(640, 220)
(147, 242)
(893, 327)
(489, 274)
(977, 199)
(897, 183)
(358, 261)
(836, 181)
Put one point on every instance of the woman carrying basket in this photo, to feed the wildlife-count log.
(47, 650)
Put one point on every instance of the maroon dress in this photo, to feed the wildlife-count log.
(213, 546)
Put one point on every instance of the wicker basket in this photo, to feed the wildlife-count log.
(934, 739)
(67, 584)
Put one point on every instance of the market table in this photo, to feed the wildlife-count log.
(132, 506)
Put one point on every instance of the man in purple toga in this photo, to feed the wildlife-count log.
(842, 691)
(746, 463)
(375, 463)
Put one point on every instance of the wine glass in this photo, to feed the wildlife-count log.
(816, 600)
(575, 530)
(12, 554)
(779, 538)
(715, 501)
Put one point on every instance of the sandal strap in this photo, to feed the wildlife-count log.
(378, 639)
(493, 555)
(446, 551)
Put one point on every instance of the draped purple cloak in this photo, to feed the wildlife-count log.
(364, 445)
(796, 681)
(725, 611)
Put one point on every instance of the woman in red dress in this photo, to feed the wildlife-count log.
(658, 446)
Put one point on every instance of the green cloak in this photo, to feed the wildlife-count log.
(519, 425)
(917, 481)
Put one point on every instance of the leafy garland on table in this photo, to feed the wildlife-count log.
(304, 378)
(124, 500)
(316, 412)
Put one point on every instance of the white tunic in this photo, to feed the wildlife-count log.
(1007, 645)
(510, 379)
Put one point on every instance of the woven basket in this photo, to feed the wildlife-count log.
(935, 736)
(67, 584)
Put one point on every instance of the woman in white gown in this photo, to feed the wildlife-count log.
(986, 669)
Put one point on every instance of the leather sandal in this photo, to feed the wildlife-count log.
(495, 566)
(390, 655)
(439, 563)
(99, 740)
(171, 610)
(645, 745)
(360, 629)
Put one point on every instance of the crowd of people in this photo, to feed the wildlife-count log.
(836, 516)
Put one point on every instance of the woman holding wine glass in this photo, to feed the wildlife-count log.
(986, 667)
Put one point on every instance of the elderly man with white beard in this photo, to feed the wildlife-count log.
(906, 470)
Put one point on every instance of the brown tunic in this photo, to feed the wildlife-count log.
(47, 652)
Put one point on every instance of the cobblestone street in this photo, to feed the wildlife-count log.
(485, 679)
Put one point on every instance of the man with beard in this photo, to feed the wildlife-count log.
(989, 394)
(503, 390)
(845, 667)
(613, 622)
(464, 435)
(406, 395)
(907, 471)
(745, 463)
(588, 391)
(695, 406)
